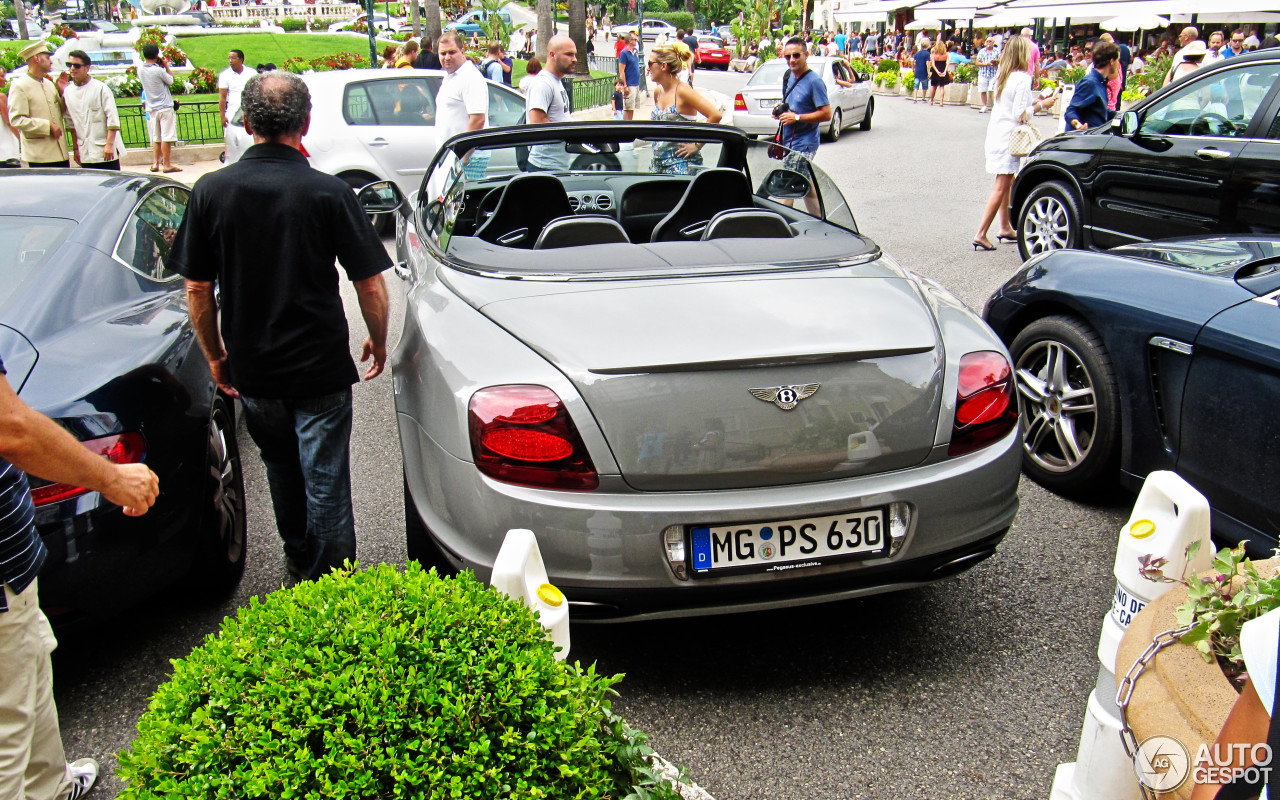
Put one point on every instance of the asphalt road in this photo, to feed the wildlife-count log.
(974, 687)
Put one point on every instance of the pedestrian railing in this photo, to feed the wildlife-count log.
(605, 64)
(588, 92)
(198, 123)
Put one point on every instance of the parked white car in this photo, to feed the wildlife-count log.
(753, 106)
(371, 124)
(381, 23)
(653, 28)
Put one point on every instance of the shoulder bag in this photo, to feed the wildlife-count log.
(776, 149)
(1024, 138)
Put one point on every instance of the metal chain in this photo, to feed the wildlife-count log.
(1125, 693)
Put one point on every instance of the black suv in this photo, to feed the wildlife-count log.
(1202, 155)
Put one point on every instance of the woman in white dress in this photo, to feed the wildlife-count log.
(1013, 103)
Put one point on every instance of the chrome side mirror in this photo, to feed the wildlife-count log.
(381, 197)
(1128, 123)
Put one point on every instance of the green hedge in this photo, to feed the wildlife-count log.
(681, 19)
(385, 684)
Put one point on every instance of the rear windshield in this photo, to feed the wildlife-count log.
(769, 74)
(26, 243)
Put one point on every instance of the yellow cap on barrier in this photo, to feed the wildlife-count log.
(550, 595)
(1142, 529)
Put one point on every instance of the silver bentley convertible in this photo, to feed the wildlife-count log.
(671, 354)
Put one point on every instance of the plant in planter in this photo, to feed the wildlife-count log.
(1219, 603)
(386, 684)
(890, 79)
(909, 81)
(1070, 76)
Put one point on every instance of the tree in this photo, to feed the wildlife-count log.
(21, 13)
(431, 25)
(546, 29)
(415, 18)
(578, 32)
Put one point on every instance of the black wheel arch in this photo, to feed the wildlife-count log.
(1125, 387)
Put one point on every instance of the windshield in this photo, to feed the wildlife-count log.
(26, 243)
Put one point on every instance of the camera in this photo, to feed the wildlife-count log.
(780, 109)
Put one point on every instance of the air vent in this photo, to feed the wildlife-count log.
(574, 202)
(604, 202)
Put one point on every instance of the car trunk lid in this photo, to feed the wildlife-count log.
(727, 383)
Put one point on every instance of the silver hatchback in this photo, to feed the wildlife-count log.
(850, 105)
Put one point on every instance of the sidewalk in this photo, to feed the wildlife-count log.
(199, 160)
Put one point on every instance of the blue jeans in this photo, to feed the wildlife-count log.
(306, 446)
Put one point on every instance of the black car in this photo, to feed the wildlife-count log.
(1158, 356)
(94, 333)
(1201, 156)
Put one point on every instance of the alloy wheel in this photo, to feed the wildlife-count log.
(1046, 225)
(1059, 408)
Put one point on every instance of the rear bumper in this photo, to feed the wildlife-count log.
(754, 123)
(605, 548)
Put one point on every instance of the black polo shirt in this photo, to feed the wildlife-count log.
(268, 229)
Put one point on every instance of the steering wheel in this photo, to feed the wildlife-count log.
(488, 205)
(1212, 124)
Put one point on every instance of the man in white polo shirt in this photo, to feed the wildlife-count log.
(231, 83)
(462, 102)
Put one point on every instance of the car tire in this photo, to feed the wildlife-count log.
(1069, 445)
(222, 538)
(1049, 220)
(597, 162)
(383, 224)
(834, 129)
(865, 125)
(419, 542)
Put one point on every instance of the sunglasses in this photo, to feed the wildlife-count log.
(790, 56)
(74, 65)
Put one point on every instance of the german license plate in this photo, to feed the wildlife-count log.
(789, 544)
(767, 103)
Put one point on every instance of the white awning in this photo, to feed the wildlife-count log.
(1108, 9)
(874, 11)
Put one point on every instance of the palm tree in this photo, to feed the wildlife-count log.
(578, 32)
(546, 28)
(415, 18)
(22, 19)
(431, 25)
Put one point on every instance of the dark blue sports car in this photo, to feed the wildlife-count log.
(1163, 355)
(94, 333)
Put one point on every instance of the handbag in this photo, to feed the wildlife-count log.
(1023, 139)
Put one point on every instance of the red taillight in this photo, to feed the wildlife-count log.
(524, 435)
(124, 448)
(739, 103)
(986, 408)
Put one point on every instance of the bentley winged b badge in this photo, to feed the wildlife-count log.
(786, 397)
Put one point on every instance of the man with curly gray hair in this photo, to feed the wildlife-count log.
(266, 231)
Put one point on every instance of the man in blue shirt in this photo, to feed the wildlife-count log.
(33, 763)
(808, 107)
(629, 72)
(1089, 107)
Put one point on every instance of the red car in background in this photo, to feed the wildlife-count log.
(711, 53)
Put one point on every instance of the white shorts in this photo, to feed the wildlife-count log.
(986, 84)
(163, 126)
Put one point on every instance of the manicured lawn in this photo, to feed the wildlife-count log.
(210, 52)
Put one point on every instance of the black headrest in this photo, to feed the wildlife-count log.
(528, 202)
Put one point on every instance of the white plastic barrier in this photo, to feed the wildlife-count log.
(1169, 515)
(519, 572)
